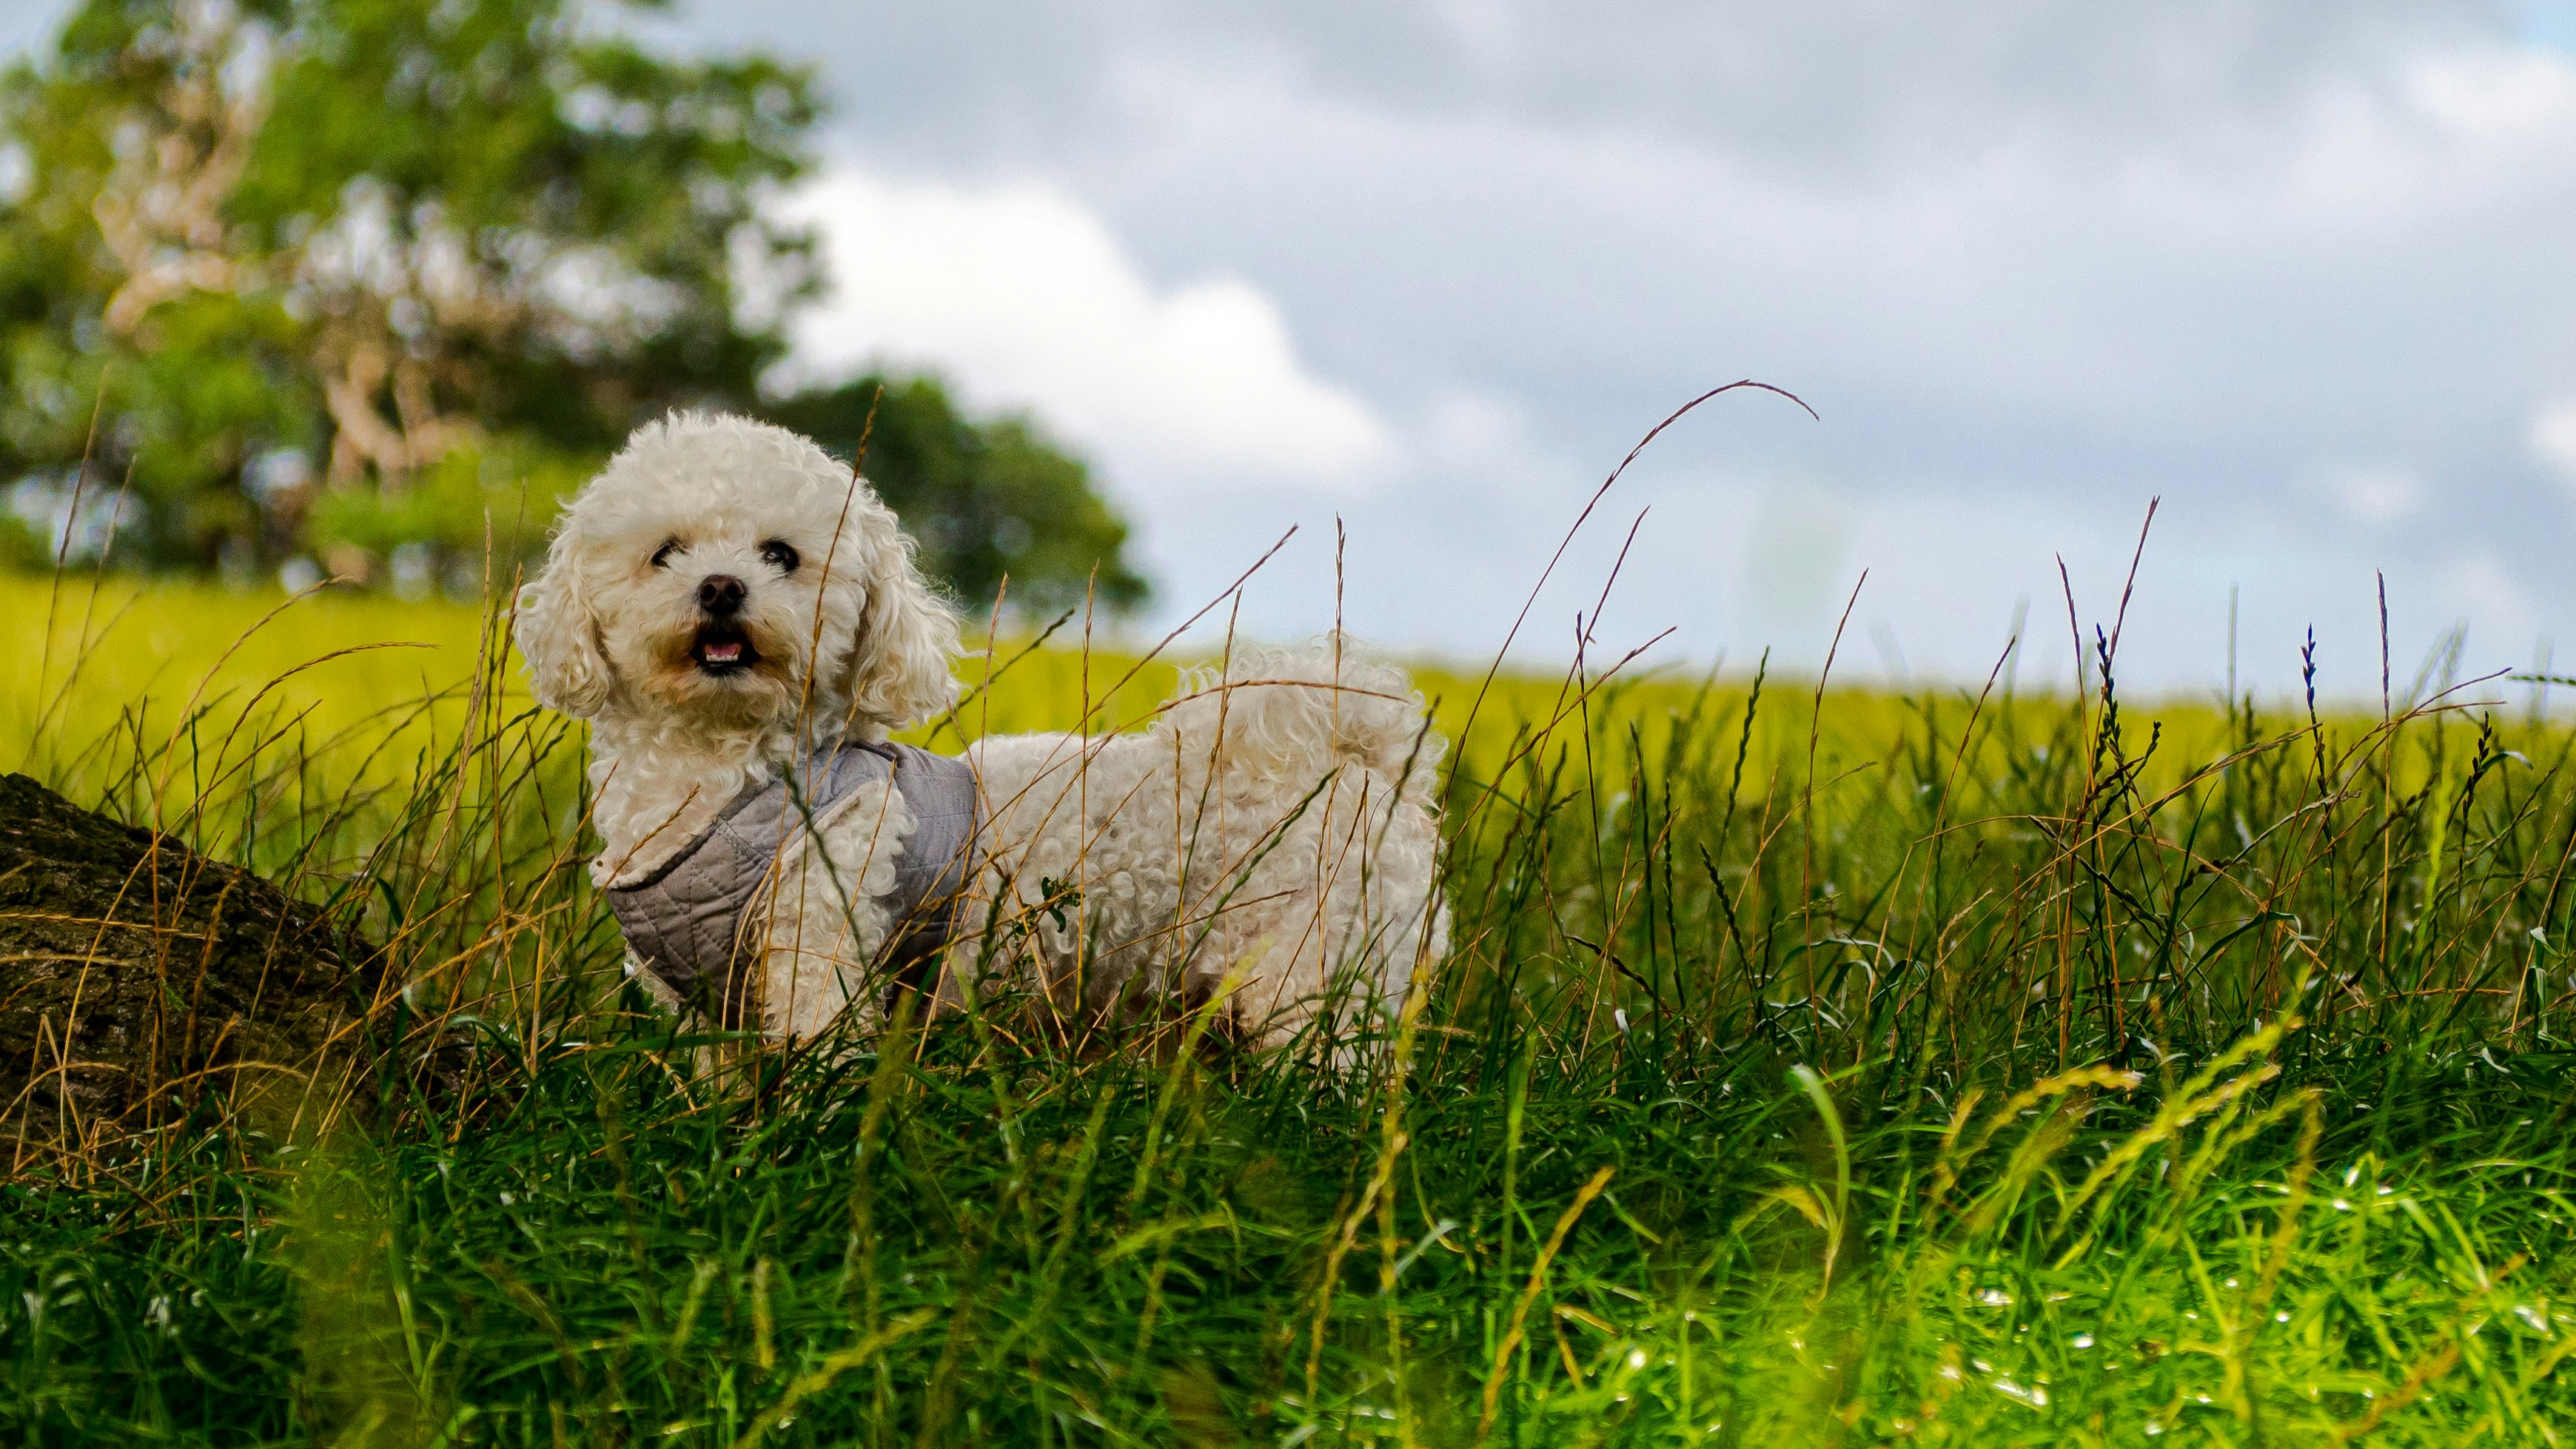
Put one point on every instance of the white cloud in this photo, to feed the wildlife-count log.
(2481, 591)
(2376, 496)
(2516, 97)
(2553, 438)
(1024, 297)
(1479, 440)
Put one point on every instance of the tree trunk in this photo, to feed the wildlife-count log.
(141, 981)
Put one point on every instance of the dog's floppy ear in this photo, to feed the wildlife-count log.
(898, 670)
(559, 637)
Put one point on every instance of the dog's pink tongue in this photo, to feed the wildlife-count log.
(725, 653)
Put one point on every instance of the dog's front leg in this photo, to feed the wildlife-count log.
(650, 982)
(827, 921)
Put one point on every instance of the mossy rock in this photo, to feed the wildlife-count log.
(141, 981)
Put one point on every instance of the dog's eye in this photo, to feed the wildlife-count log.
(782, 554)
(662, 555)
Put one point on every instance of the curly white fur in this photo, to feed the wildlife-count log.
(822, 926)
(1273, 836)
(1277, 824)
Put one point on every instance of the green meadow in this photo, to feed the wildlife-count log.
(1814, 1066)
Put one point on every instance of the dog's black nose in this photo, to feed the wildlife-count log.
(720, 594)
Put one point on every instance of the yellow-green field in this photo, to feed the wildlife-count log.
(370, 682)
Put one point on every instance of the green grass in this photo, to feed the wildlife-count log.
(1811, 1070)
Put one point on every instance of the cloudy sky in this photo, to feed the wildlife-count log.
(2304, 271)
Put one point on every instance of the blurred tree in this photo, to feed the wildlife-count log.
(385, 278)
(315, 259)
(984, 499)
(21, 547)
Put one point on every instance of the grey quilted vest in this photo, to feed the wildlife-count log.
(692, 920)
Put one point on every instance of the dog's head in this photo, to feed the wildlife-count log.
(730, 573)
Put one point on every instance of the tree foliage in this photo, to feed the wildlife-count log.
(292, 248)
(362, 276)
(985, 499)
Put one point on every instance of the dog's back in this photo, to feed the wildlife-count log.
(1273, 836)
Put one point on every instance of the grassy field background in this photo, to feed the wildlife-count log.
(1813, 1068)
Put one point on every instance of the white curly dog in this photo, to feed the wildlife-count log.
(741, 621)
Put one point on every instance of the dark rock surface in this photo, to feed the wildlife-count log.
(139, 979)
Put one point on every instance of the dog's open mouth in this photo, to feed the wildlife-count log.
(723, 649)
